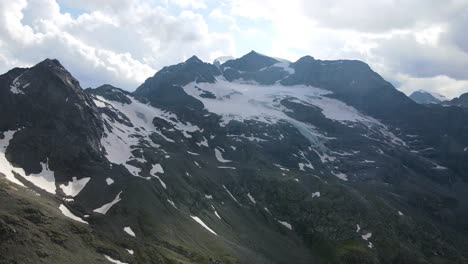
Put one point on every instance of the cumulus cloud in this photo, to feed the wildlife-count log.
(117, 42)
(440, 84)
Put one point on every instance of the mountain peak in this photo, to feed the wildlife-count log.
(194, 59)
(254, 54)
(50, 63)
(252, 61)
(306, 58)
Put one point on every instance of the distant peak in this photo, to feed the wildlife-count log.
(106, 86)
(253, 53)
(110, 88)
(306, 58)
(194, 59)
(434, 94)
(421, 91)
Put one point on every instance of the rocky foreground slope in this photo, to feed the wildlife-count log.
(250, 160)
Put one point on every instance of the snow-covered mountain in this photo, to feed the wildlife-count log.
(251, 160)
(426, 97)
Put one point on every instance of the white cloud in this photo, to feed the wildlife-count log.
(193, 4)
(440, 84)
(117, 42)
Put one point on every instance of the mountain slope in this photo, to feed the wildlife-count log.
(256, 160)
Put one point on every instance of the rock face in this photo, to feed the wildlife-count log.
(251, 160)
(53, 117)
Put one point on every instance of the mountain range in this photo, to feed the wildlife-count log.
(248, 160)
(428, 98)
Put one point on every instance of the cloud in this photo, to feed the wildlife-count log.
(440, 84)
(193, 4)
(117, 42)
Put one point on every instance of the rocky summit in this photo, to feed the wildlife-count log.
(249, 160)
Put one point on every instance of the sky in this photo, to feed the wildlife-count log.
(414, 44)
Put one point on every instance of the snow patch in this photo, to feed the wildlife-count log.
(308, 164)
(199, 221)
(286, 224)
(44, 180)
(216, 212)
(226, 167)
(6, 167)
(230, 194)
(340, 175)
(15, 85)
(106, 207)
(114, 260)
(219, 156)
(109, 181)
(163, 184)
(281, 167)
(172, 203)
(74, 187)
(366, 236)
(129, 231)
(251, 198)
(70, 215)
(315, 194)
(99, 103)
(204, 142)
(157, 168)
(324, 157)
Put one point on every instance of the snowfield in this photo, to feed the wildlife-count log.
(242, 101)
